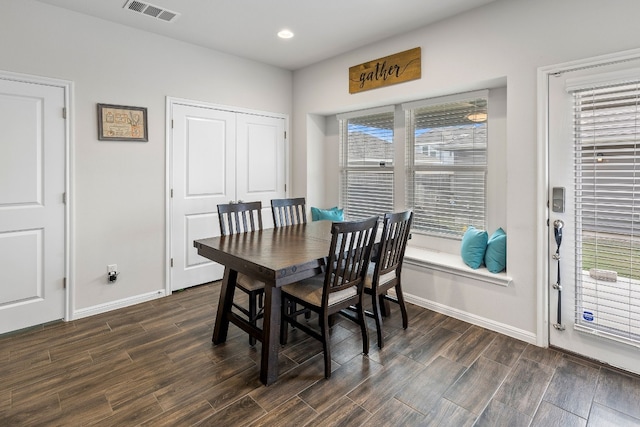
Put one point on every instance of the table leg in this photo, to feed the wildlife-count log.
(385, 309)
(225, 303)
(271, 335)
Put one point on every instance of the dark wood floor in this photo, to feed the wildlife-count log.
(153, 364)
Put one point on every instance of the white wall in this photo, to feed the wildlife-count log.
(119, 187)
(508, 39)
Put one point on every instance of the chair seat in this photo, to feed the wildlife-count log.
(368, 280)
(249, 283)
(310, 290)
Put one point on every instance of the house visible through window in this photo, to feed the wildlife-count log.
(367, 163)
(447, 163)
(443, 170)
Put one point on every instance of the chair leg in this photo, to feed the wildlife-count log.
(377, 315)
(403, 308)
(253, 314)
(284, 329)
(363, 327)
(324, 325)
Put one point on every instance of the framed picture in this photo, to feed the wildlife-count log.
(122, 123)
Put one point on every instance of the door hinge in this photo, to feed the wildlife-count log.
(285, 134)
(64, 283)
(171, 123)
(64, 198)
(171, 193)
(64, 113)
(171, 262)
(285, 188)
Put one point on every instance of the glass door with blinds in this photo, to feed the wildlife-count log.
(594, 213)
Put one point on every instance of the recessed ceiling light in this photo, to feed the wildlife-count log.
(285, 34)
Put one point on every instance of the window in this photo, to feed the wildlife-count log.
(607, 201)
(447, 163)
(367, 163)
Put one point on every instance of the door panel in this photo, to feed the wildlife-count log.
(581, 291)
(32, 214)
(261, 161)
(202, 148)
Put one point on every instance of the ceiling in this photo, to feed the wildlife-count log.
(247, 28)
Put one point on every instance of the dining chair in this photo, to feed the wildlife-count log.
(385, 269)
(236, 218)
(339, 287)
(289, 211)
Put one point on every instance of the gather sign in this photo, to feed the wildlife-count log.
(397, 68)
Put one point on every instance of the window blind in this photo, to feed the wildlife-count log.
(367, 162)
(607, 201)
(448, 165)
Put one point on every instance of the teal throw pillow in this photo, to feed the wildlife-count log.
(333, 214)
(495, 258)
(474, 245)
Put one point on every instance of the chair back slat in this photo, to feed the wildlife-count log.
(349, 255)
(240, 217)
(393, 242)
(289, 211)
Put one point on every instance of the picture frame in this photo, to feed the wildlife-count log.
(122, 123)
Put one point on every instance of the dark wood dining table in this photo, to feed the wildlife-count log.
(275, 256)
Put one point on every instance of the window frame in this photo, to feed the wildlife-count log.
(412, 169)
(496, 183)
(346, 169)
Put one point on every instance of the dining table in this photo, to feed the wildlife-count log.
(276, 257)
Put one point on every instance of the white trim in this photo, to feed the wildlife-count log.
(452, 264)
(114, 305)
(484, 93)
(69, 253)
(203, 104)
(501, 328)
(542, 240)
(169, 103)
(367, 112)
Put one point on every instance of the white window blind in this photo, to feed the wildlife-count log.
(447, 164)
(366, 181)
(607, 184)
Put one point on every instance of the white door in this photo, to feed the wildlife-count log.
(260, 165)
(217, 156)
(203, 176)
(32, 213)
(593, 153)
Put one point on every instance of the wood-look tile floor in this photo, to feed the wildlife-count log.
(153, 364)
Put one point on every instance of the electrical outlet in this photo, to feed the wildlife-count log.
(112, 272)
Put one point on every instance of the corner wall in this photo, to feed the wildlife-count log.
(505, 39)
(118, 188)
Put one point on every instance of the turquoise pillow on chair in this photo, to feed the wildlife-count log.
(496, 256)
(473, 247)
(333, 214)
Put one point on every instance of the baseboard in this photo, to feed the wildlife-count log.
(492, 325)
(114, 305)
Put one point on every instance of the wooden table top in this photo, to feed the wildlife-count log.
(273, 255)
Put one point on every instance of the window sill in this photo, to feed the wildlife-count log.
(452, 264)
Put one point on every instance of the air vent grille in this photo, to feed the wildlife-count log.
(151, 10)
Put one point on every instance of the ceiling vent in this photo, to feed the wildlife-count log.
(151, 10)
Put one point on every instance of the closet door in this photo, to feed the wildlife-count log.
(260, 162)
(217, 156)
(202, 176)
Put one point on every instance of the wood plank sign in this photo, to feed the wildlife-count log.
(397, 68)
